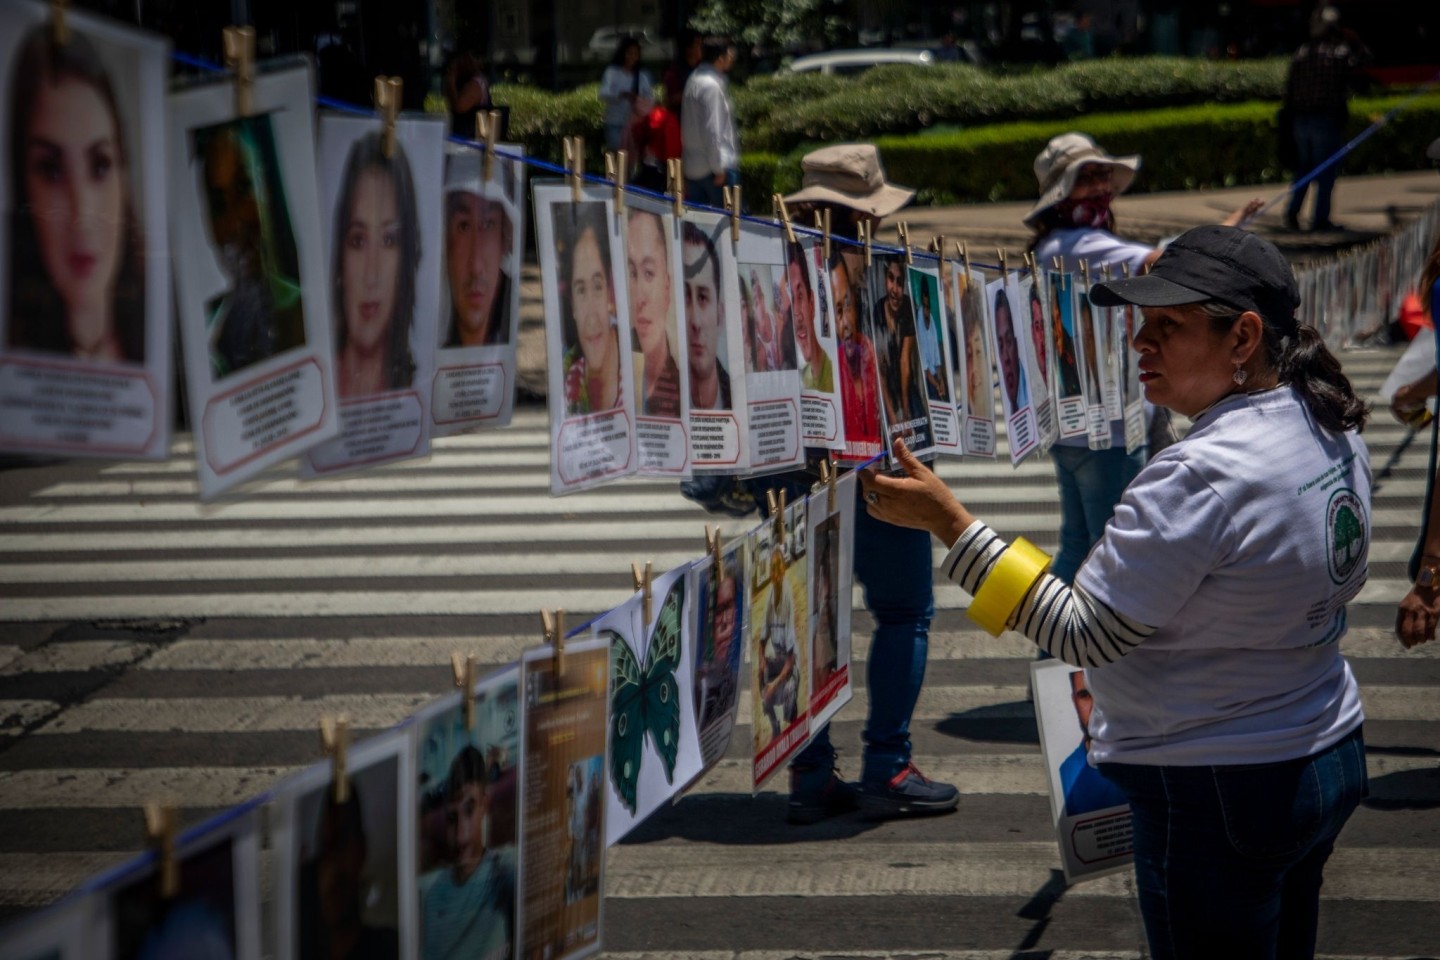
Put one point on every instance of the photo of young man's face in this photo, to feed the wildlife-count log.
(478, 237)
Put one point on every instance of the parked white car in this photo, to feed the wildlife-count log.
(604, 41)
(847, 62)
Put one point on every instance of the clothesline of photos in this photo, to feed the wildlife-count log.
(347, 288)
(478, 826)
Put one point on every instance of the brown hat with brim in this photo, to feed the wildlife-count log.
(849, 174)
(1059, 164)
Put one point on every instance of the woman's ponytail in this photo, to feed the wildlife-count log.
(1303, 361)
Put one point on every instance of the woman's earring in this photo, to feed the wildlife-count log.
(1240, 376)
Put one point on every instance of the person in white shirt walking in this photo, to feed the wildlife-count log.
(710, 145)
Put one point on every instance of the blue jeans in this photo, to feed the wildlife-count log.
(1091, 482)
(1317, 137)
(1229, 859)
(706, 191)
(893, 565)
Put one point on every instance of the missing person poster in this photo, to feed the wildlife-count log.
(252, 285)
(1064, 336)
(85, 353)
(483, 227)
(807, 298)
(216, 910)
(562, 821)
(932, 335)
(1091, 815)
(976, 381)
(383, 249)
(719, 608)
(1093, 366)
(1038, 360)
(1131, 393)
(831, 538)
(1015, 377)
(654, 747)
(859, 377)
(772, 377)
(779, 637)
(587, 337)
(715, 336)
(655, 272)
(467, 806)
(343, 863)
(892, 329)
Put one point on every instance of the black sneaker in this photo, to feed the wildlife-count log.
(818, 793)
(907, 794)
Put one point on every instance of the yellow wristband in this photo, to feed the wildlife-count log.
(1009, 581)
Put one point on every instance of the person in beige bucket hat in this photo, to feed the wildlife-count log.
(1061, 164)
(850, 175)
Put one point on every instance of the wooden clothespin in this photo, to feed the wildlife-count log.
(388, 91)
(677, 184)
(1085, 273)
(937, 247)
(731, 198)
(574, 165)
(822, 223)
(964, 257)
(1000, 253)
(864, 228)
(487, 124)
(642, 586)
(1125, 271)
(239, 44)
(828, 475)
(712, 546)
(333, 742)
(903, 229)
(1105, 271)
(777, 513)
(59, 25)
(462, 667)
(615, 173)
(161, 824)
(554, 633)
(782, 214)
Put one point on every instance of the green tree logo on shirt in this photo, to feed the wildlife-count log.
(1346, 533)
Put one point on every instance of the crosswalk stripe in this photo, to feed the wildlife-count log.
(77, 655)
(16, 715)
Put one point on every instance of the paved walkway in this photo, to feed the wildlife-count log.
(1368, 207)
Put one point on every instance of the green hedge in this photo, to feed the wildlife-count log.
(1183, 148)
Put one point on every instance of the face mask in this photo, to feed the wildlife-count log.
(1090, 212)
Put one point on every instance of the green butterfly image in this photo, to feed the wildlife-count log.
(645, 701)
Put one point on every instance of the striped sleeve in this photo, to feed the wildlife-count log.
(1064, 621)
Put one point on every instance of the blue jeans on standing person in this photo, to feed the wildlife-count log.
(1229, 859)
(1317, 137)
(705, 190)
(894, 566)
(1091, 482)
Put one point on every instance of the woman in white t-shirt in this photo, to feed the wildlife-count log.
(627, 92)
(1074, 223)
(1211, 610)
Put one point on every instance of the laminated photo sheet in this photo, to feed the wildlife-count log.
(806, 291)
(85, 357)
(1107, 335)
(1092, 370)
(215, 913)
(61, 931)
(975, 380)
(483, 235)
(654, 746)
(772, 377)
(352, 858)
(831, 578)
(1069, 398)
(656, 279)
(715, 335)
(1091, 815)
(581, 247)
(1025, 296)
(779, 640)
(381, 234)
(1133, 395)
(720, 613)
(932, 337)
(562, 819)
(251, 281)
(858, 380)
(1008, 327)
(891, 325)
(467, 808)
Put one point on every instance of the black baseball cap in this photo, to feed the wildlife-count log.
(1224, 264)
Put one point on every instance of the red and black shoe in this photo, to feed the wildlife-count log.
(907, 794)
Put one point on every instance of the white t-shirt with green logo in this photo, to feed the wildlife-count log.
(1242, 544)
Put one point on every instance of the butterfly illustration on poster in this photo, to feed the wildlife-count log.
(654, 748)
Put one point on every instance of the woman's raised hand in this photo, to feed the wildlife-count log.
(919, 499)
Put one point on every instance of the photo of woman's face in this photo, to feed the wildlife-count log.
(74, 186)
(371, 260)
(590, 297)
(650, 294)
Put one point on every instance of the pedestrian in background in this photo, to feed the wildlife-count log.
(1317, 95)
(627, 92)
(467, 91)
(709, 142)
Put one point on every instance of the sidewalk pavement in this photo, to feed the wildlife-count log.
(1368, 207)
